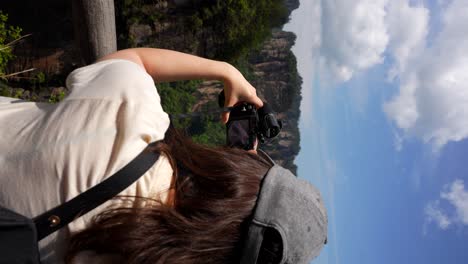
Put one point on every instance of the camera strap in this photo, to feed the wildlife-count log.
(62, 215)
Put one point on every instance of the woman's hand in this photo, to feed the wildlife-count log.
(237, 89)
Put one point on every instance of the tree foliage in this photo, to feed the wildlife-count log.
(210, 132)
(178, 98)
(237, 25)
(8, 34)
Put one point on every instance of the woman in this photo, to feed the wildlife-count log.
(193, 206)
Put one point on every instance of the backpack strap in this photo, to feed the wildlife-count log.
(62, 215)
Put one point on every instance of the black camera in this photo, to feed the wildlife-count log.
(247, 124)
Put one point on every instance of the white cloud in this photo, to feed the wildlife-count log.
(457, 198)
(435, 214)
(433, 100)
(403, 109)
(353, 37)
(408, 28)
(397, 141)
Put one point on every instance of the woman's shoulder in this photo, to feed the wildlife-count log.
(94, 68)
(115, 79)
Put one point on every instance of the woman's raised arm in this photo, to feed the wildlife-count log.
(167, 65)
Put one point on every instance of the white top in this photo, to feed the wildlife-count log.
(50, 153)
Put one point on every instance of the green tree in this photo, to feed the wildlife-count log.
(213, 133)
(8, 36)
(236, 26)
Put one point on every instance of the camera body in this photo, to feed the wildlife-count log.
(247, 125)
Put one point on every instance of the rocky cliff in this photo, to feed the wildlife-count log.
(278, 83)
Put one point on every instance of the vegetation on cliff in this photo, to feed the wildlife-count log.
(216, 29)
(8, 35)
(231, 22)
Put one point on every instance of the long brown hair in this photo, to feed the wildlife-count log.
(215, 193)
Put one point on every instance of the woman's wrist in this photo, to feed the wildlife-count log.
(227, 71)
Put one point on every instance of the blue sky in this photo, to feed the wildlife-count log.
(384, 126)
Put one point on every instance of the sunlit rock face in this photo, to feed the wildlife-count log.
(279, 84)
